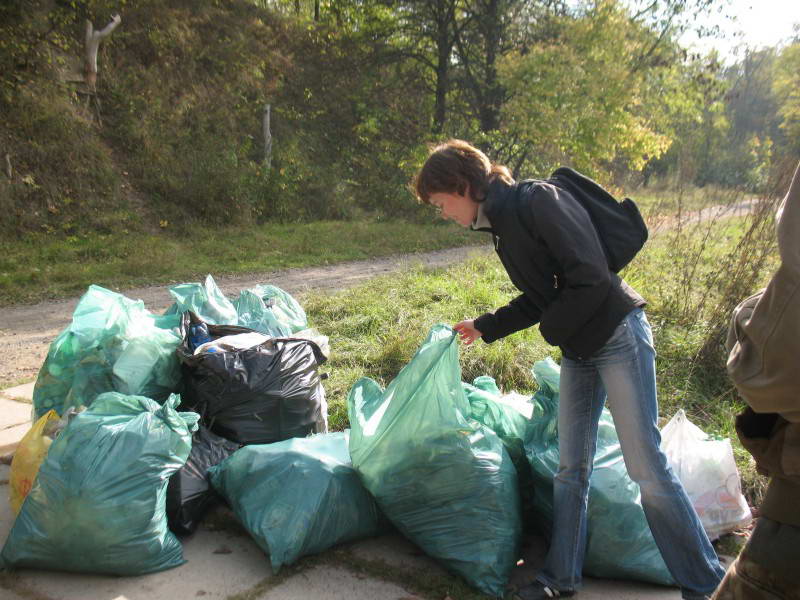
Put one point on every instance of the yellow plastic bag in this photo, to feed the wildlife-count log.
(29, 455)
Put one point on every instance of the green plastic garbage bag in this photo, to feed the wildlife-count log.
(205, 300)
(445, 481)
(271, 310)
(98, 502)
(254, 314)
(112, 344)
(509, 416)
(297, 497)
(620, 544)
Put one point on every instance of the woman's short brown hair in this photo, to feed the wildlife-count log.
(455, 166)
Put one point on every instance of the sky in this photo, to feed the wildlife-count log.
(754, 23)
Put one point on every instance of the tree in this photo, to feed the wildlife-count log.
(584, 98)
(435, 25)
(92, 44)
(494, 29)
(787, 91)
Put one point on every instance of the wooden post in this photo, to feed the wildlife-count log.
(267, 138)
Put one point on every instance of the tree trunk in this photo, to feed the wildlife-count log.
(444, 14)
(490, 111)
(442, 81)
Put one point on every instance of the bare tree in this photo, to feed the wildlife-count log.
(93, 39)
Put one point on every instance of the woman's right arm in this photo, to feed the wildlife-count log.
(518, 314)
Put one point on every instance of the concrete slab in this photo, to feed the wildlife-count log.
(331, 583)
(219, 563)
(11, 436)
(397, 551)
(14, 413)
(21, 393)
(15, 418)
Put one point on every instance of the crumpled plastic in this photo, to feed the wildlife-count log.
(189, 493)
(509, 416)
(271, 310)
(112, 344)
(28, 457)
(707, 470)
(264, 308)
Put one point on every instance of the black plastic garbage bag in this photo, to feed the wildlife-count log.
(257, 395)
(189, 493)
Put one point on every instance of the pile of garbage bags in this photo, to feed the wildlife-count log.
(146, 421)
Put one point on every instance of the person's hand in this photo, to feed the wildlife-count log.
(467, 332)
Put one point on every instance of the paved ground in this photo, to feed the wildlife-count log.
(223, 562)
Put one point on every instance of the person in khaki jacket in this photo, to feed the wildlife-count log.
(764, 364)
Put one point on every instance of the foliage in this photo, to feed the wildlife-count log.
(583, 98)
(357, 89)
(63, 173)
(787, 88)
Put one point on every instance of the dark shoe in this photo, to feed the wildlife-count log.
(537, 591)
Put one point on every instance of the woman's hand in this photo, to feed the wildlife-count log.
(467, 332)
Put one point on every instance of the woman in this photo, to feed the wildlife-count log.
(551, 251)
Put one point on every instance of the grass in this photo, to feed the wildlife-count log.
(375, 329)
(430, 584)
(39, 267)
(659, 200)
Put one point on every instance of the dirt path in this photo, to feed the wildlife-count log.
(27, 331)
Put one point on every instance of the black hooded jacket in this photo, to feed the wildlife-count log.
(550, 249)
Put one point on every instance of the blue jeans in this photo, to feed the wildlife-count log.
(624, 372)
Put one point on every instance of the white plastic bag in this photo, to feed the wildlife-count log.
(707, 470)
